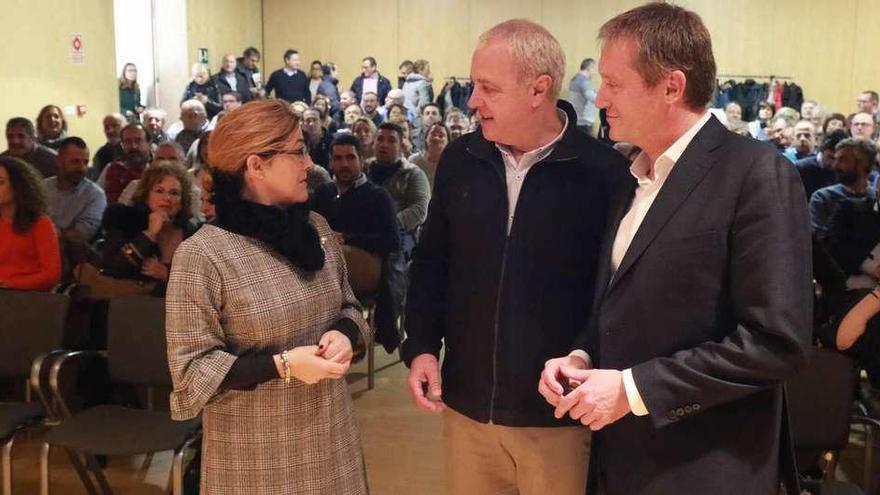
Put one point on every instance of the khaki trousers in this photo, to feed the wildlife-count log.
(492, 459)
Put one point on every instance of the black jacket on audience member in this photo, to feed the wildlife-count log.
(853, 231)
(505, 303)
(242, 86)
(124, 226)
(366, 217)
(209, 89)
(814, 175)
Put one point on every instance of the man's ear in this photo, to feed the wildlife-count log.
(541, 87)
(676, 83)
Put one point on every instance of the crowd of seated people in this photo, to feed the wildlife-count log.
(388, 134)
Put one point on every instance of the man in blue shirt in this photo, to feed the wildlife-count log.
(582, 96)
(76, 204)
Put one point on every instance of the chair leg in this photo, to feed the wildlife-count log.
(44, 468)
(869, 457)
(371, 366)
(7, 465)
(177, 472)
(98, 472)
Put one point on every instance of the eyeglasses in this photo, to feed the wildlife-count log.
(171, 193)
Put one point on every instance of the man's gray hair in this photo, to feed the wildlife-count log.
(158, 112)
(534, 50)
(193, 105)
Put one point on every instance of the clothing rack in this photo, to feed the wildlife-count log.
(459, 78)
(747, 76)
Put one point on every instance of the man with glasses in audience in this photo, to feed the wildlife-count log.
(154, 124)
(370, 81)
(862, 126)
(131, 165)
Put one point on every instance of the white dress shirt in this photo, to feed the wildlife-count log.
(646, 192)
(516, 171)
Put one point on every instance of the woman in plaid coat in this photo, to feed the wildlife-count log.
(261, 322)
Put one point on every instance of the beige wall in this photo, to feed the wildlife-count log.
(813, 41)
(223, 26)
(38, 71)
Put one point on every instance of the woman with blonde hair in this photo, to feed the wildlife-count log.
(364, 130)
(261, 321)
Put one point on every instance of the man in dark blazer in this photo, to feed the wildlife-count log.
(703, 302)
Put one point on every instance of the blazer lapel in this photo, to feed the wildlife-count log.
(620, 204)
(690, 169)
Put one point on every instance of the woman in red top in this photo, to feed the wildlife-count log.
(30, 258)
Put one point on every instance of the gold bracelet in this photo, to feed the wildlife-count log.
(286, 364)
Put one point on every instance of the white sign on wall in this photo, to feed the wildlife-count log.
(77, 51)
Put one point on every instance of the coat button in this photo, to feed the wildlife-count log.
(696, 407)
(679, 412)
(688, 409)
(672, 416)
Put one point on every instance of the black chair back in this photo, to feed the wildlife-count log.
(136, 350)
(820, 399)
(31, 323)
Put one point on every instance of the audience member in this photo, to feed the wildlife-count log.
(370, 81)
(248, 65)
(428, 115)
(862, 126)
(134, 160)
(346, 99)
(779, 133)
(854, 158)
(370, 106)
(397, 114)
(352, 113)
(804, 145)
(130, 93)
(757, 127)
(427, 159)
(869, 102)
(140, 240)
(582, 95)
(364, 130)
(457, 123)
(51, 126)
(403, 70)
(229, 79)
(834, 122)
(316, 77)
(195, 121)
(154, 124)
(74, 203)
(362, 215)
(230, 101)
(407, 184)
(817, 171)
(289, 83)
(329, 86)
(322, 104)
(417, 89)
(30, 258)
(112, 149)
(317, 138)
(206, 185)
(203, 89)
(21, 139)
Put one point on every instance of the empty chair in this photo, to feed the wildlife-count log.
(820, 400)
(135, 356)
(31, 327)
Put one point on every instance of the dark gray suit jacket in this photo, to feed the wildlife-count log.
(711, 308)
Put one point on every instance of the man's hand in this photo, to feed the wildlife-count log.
(425, 370)
(549, 385)
(598, 401)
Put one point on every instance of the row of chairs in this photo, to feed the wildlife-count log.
(31, 324)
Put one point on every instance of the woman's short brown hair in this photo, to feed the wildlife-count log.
(669, 38)
(253, 129)
(154, 175)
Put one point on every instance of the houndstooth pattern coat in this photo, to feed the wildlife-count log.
(229, 294)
